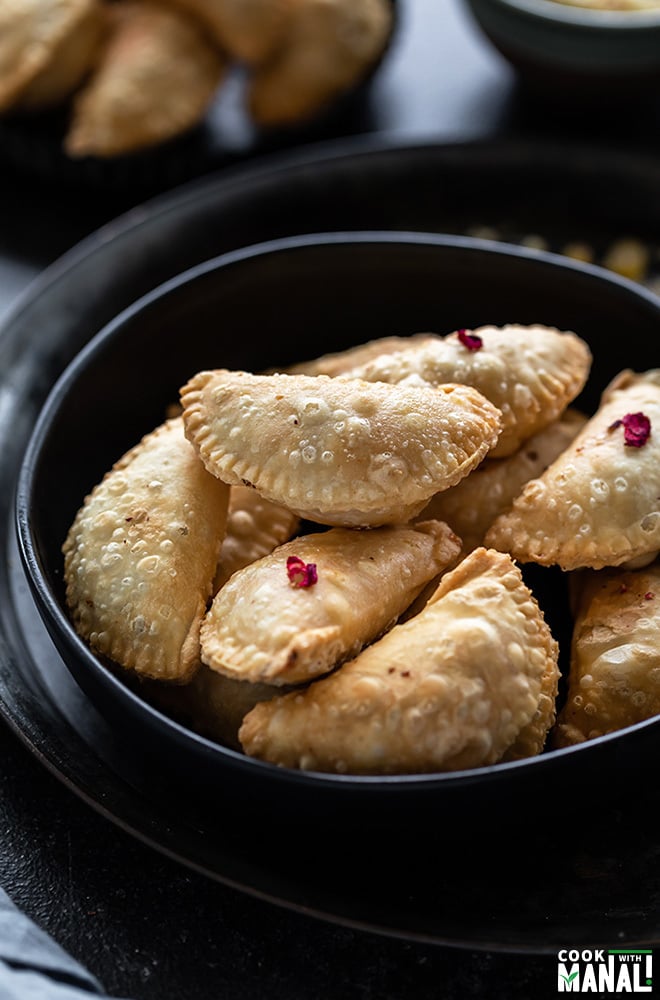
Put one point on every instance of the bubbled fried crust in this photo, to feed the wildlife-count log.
(614, 672)
(451, 688)
(140, 556)
(254, 528)
(472, 505)
(532, 738)
(262, 628)
(531, 373)
(337, 450)
(30, 32)
(598, 504)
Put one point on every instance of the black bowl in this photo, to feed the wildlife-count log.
(267, 306)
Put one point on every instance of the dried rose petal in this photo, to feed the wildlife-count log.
(470, 340)
(636, 429)
(301, 574)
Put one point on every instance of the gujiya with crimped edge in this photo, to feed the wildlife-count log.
(533, 737)
(452, 688)
(614, 672)
(472, 505)
(140, 556)
(254, 528)
(261, 628)
(530, 373)
(598, 504)
(339, 451)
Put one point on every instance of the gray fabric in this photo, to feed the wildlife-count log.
(21, 984)
(32, 964)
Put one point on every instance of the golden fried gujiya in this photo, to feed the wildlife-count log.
(614, 673)
(598, 504)
(533, 738)
(341, 362)
(254, 528)
(531, 373)
(140, 556)
(319, 599)
(247, 30)
(155, 78)
(330, 46)
(337, 450)
(472, 505)
(451, 688)
(36, 34)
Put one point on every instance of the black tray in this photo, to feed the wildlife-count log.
(531, 882)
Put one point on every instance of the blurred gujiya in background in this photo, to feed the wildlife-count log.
(135, 73)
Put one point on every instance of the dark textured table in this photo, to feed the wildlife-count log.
(142, 923)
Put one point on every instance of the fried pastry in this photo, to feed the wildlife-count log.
(266, 625)
(532, 738)
(614, 673)
(155, 78)
(531, 373)
(449, 689)
(598, 504)
(472, 505)
(210, 704)
(140, 556)
(254, 528)
(329, 47)
(247, 30)
(31, 33)
(337, 450)
(340, 362)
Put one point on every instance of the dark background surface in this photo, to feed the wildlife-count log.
(145, 925)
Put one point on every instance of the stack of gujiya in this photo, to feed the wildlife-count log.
(320, 565)
(136, 73)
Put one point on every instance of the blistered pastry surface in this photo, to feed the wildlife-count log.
(337, 450)
(530, 373)
(263, 628)
(598, 504)
(451, 688)
(472, 505)
(614, 673)
(254, 528)
(140, 556)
